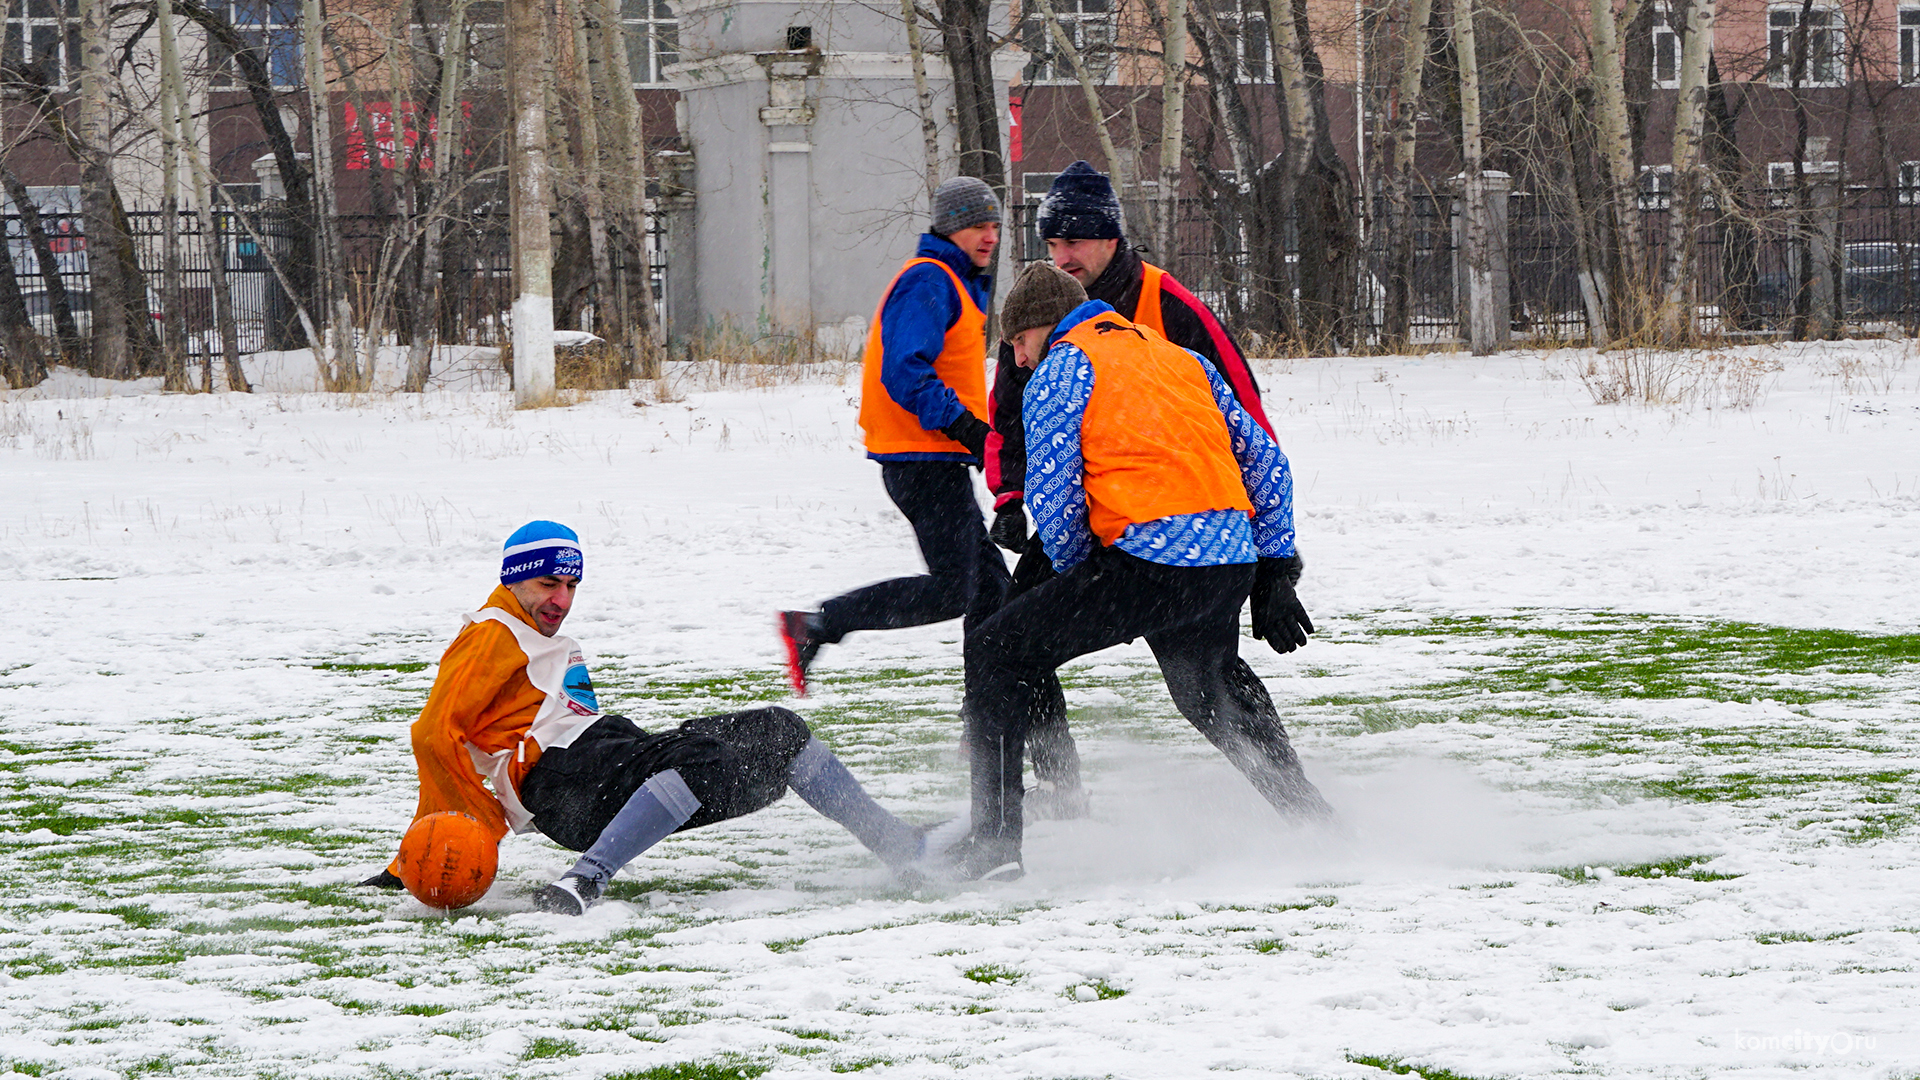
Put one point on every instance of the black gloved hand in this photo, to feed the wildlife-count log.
(1278, 617)
(971, 432)
(1010, 527)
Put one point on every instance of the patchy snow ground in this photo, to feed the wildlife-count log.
(1620, 703)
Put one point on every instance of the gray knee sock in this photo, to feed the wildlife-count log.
(820, 778)
(663, 804)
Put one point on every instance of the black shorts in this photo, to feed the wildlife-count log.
(734, 764)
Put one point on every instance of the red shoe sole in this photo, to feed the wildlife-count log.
(794, 675)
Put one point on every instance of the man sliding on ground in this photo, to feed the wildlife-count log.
(513, 704)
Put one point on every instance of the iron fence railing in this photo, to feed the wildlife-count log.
(1748, 272)
(473, 294)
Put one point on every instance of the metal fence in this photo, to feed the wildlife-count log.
(1748, 274)
(471, 302)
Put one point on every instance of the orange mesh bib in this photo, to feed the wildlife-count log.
(1153, 440)
(962, 365)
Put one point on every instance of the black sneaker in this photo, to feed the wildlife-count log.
(385, 879)
(980, 858)
(571, 895)
(798, 631)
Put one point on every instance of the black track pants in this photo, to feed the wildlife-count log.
(1049, 742)
(966, 574)
(734, 764)
(1190, 617)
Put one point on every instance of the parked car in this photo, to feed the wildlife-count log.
(1881, 278)
(40, 310)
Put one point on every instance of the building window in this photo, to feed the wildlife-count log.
(271, 29)
(1666, 50)
(1088, 24)
(1240, 26)
(1909, 183)
(487, 38)
(653, 38)
(1780, 178)
(45, 34)
(1656, 187)
(1825, 36)
(1910, 44)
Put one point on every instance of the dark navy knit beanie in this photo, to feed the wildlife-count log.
(1080, 206)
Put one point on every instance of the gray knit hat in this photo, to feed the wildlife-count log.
(1042, 296)
(961, 203)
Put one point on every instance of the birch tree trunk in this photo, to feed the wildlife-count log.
(528, 67)
(1413, 60)
(215, 251)
(1173, 127)
(1617, 152)
(446, 149)
(173, 344)
(1689, 125)
(929, 128)
(590, 174)
(112, 354)
(1473, 155)
(342, 371)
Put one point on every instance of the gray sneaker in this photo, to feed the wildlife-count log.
(571, 895)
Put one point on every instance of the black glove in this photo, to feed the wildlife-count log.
(1278, 617)
(971, 432)
(1010, 527)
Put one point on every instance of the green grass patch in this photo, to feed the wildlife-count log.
(988, 974)
(406, 667)
(726, 1069)
(545, 1047)
(1398, 1067)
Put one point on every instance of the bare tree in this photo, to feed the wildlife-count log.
(112, 354)
(969, 48)
(1096, 113)
(1173, 123)
(1689, 123)
(528, 71)
(923, 94)
(445, 148)
(340, 371)
(1413, 63)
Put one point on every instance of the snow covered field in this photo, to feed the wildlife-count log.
(1620, 703)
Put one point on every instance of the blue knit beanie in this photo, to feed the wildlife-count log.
(1080, 206)
(539, 548)
(961, 203)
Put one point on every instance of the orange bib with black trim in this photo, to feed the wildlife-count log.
(962, 365)
(1153, 440)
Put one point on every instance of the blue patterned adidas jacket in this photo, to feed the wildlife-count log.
(1053, 409)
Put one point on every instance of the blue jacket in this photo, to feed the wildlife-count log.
(913, 332)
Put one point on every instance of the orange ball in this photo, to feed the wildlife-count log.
(448, 859)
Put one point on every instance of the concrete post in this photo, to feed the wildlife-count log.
(1482, 283)
(788, 117)
(1823, 248)
(676, 203)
